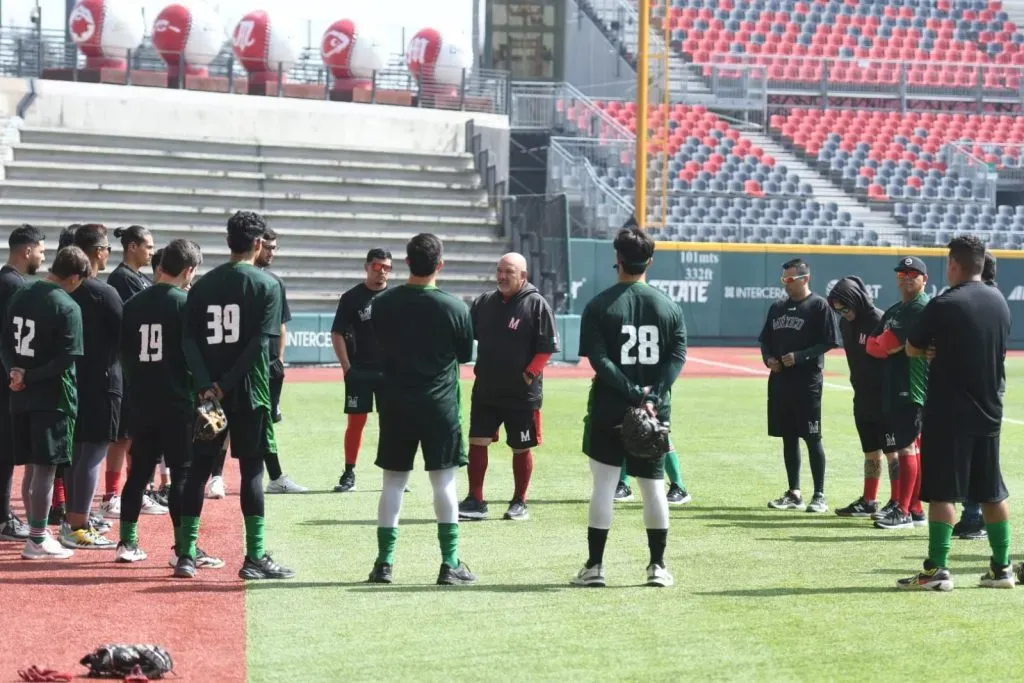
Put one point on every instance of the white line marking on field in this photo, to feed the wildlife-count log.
(765, 373)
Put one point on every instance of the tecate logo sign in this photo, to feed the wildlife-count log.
(684, 291)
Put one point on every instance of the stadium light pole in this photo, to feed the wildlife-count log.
(640, 153)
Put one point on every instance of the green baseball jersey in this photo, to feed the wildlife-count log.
(422, 335)
(43, 336)
(906, 378)
(231, 314)
(153, 352)
(635, 337)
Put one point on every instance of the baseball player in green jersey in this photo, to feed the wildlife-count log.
(422, 335)
(161, 420)
(905, 384)
(232, 315)
(42, 338)
(635, 339)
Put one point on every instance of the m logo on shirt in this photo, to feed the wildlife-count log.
(814, 427)
(524, 436)
(890, 441)
(513, 324)
(353, 402)
(863, 339)
(364, 314)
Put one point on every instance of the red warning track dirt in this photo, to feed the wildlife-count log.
(53, 613)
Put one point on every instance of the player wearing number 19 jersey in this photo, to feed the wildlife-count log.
(233, 313)
(635, 339)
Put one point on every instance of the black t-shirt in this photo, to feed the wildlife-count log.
(127, 282)
(806, 328)
(969, 326)
(509, 334)
(99, 369)
(352, 321)
(10, 282)
(286, 314)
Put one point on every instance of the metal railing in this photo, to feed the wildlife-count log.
(755, 233)
(539, 228)
(35, 54)
(578, 168)
(548, 106)
(596, 59)
(960, 157)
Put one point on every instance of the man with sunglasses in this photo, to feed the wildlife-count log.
(356, 347)
(906, 382)
(279, 482)
(800, 329)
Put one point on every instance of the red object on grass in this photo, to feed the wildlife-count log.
(36, 673)
(136, 676)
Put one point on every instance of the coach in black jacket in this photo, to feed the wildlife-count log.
(859, 317)
(515, 332)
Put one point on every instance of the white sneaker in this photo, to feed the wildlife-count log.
(659, 576)
(151, 507)
(285, 485)
(590, 577)
(129, 552)
(84, 539)
(215, 488)
(47, 549)
(111, 509)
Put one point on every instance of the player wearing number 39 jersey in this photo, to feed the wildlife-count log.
(635, 339)
(233, 313)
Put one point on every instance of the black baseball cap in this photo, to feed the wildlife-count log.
(908, 263)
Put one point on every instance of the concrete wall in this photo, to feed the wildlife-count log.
(142, 111)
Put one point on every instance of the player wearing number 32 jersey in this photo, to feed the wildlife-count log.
(635, 339)
(233, 313)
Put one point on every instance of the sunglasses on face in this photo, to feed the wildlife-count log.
(908, 274)
(790, 279)
(841, 309)
(380, 267)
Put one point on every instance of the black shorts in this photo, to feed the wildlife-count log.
(361, 385)
(902, 427)
(871, 430)
(794, 408)
(42, 438)
(6, 437)
(276, 385)
(401, 435)
(252, 436)
(957, 466)
(98, 419)
(169, 437)
(522, 427)
(603, 443)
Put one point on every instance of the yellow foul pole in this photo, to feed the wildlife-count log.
(641, 113)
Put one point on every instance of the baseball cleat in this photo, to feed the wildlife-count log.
(659, 576)
(998, 577)
(264, 568)
(381, 573)
(472, 509)
(517, 511)
(185, 568)
(885, 510)
(129, 552)
(284, 484)
(677, 495)
(859, 508)
(346, 482)
(788, 501)
(457, 576)
(202, 559)
(623, 494)
(590, 577)
(929, 579)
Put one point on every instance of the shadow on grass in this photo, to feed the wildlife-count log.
(363, 587)
(773, 518)
(362, 522)
(910, 569)
(808, 524)
(571, 501)
(797, 591)
(846, 539)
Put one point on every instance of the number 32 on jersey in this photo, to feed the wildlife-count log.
(641, 345)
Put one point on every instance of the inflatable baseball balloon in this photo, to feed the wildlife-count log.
(263, 47)
(351, 51)
(437, 59)
(105, 30)
(188, 32)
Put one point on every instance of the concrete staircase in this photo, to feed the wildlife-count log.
(824, 191)
(328, 205)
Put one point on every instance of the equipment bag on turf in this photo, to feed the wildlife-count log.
(117, 661)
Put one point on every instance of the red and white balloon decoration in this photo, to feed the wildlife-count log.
(352, 52)
(105, 30)
(438, 59)
(263, 47)
(189, 32)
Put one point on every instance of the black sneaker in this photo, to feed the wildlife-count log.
(185, 568)
(677, 495)
(859, 508)
(931, 578)
(203, 559)
(818, 503)
(381, 573)
(14, 530)
(919, 518)
(623, 494)
(787, 501)
(158, 496)
(998, 576)
(347, 482)
(517, 511)
(897, 519)
(970, 529)
(459, 576)
(472, 509)
(57, 515)
(885, 510)
(264, 568)
(278, 416)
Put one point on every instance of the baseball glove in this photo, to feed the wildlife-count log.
(643, 435)
(210, 420)
(118, 661)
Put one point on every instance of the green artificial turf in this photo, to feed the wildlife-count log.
(759, 595)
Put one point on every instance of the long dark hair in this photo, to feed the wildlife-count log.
(133, 234)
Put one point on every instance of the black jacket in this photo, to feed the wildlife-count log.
(867, 374)
(509, 334)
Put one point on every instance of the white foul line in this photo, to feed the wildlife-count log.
(764, 373)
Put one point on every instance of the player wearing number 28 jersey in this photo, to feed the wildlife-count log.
(233, 313)
(635, 339)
